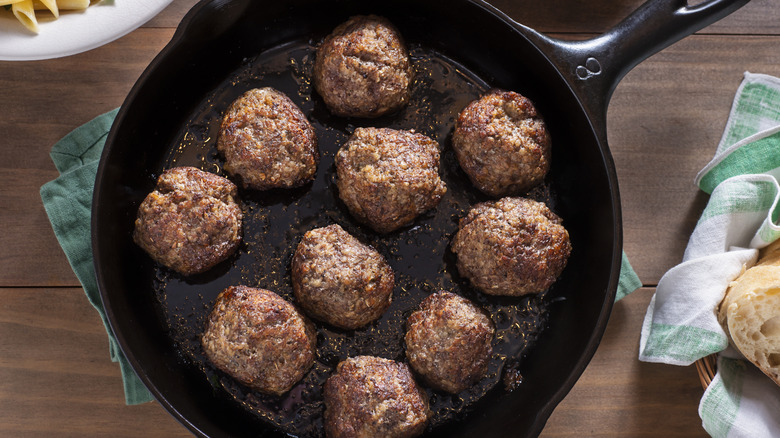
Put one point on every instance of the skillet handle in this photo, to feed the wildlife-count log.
(594, 67)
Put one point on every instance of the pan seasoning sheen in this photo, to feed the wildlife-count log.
(460, 51)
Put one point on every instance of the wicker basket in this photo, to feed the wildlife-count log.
(706, 368)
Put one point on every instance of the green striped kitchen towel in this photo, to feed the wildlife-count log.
(741, 216)
(68, 203)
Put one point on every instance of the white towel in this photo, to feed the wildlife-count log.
(741, 216)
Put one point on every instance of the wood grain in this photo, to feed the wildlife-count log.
(618, 396)
(761, 17)
(49, 99)
(664, 122)
(67, 384)
(56, 378)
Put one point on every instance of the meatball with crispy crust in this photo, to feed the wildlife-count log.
(190, 222)
(388, 177)
(267, 142)
(259, 338)
(448, 341)
(373, 397)
(502, 143)
(339, 280)
(512, 246)
(362, 68)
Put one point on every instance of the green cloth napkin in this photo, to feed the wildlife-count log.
(628, 281)
(741, 216)
(68, 202)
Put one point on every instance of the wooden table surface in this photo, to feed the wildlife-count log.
(664, 122)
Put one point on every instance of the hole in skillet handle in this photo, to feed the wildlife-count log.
(594, 67)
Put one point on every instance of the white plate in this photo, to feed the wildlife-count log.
(75, 31)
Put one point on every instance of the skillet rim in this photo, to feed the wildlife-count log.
(179, 38)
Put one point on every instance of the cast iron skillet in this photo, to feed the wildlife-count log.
(224, 47)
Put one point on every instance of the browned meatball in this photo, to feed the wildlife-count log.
(374, 397)
(448, 341)
(259, 338)
(190, 222)
(387, 177)
(339, 280)
(267, 141)
(513, 246)
(362, 68)
(502, 143)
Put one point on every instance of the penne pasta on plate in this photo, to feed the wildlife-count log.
(25, 10)
(64, 5)
(50, 5)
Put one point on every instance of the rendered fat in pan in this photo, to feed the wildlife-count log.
(221, 48)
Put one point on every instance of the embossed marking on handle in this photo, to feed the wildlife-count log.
(591, 68)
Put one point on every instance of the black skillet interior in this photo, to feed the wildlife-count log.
(170, 118)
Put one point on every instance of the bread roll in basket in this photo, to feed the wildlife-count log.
(750, 312)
